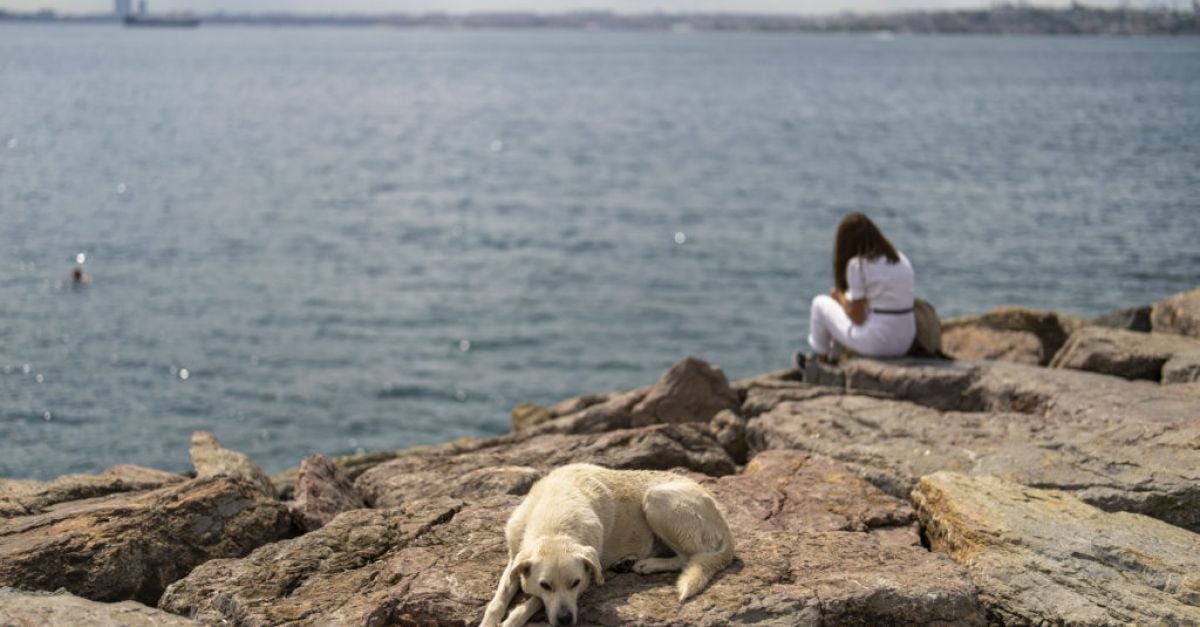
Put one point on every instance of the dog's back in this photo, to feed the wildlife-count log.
(595, 505)
(620, 512)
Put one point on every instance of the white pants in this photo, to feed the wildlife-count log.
(882, 335)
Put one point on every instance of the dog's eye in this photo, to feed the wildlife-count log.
(574, 583)
(545, 586)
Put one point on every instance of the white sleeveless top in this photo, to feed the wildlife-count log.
(884, 284)
(887, 286)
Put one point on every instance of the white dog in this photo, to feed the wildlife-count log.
(580, 519)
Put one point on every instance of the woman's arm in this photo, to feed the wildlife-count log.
(856, 309)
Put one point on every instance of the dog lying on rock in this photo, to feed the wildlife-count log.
(581, 519)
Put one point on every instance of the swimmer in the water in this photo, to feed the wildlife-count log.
(79, 278)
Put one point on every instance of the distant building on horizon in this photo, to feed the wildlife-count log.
(121, 8)
(141, 7)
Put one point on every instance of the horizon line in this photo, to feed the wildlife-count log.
(993, 6)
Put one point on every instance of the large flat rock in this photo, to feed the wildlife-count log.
(510, 464)
(1043, 557)
(1058, 395)
(822, 578)
(20, 497)
(1123, 353)
(1017, 334)
(39, 609)
(969, 342)
(796, 491)
(810, 551)
(132, 546)
(763, 396)
(1149, 468)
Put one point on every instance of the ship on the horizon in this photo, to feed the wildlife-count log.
(143, 18)
(178, 21)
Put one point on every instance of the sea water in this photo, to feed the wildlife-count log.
(338, 240)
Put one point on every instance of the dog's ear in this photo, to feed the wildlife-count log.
(520, 565)
(593, 562)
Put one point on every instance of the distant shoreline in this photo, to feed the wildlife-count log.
(999, 20)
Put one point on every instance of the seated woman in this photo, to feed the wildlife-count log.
(870, 309)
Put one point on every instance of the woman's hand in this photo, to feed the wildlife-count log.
(856, 309)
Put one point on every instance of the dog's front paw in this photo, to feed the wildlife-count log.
(490, 620)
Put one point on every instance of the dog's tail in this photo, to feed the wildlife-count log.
(702, 566)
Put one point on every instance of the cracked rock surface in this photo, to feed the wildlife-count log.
(795, 491)
(38, 609)
(1042, 557)
(131, 546)
(1056, 394)
(335, 575)
(806, 556)
(1145, 468)
(510, 465)
(1016, 334)
(1122, 353)
(21, 497)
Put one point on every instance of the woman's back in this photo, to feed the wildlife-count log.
(885, 285)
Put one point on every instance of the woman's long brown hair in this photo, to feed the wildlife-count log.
(857, 236)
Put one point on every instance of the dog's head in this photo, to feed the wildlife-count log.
(557, 570)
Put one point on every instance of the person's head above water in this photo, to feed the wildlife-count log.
(857, 236)
(79, 277)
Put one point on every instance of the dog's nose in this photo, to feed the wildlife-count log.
(565, 617)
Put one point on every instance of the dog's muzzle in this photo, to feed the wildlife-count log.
(564, 617)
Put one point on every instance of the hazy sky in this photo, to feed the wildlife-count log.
(455, 6)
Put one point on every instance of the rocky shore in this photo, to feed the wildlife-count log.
(1050, 474)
